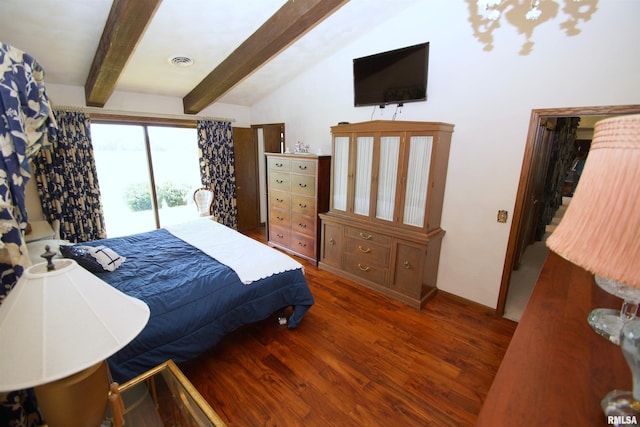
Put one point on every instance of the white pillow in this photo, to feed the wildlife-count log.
(106, 257)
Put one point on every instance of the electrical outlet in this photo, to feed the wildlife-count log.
(502, 216)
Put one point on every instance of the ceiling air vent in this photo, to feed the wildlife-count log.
(181, 61)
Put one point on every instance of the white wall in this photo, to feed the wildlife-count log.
(73, 96)
(488, 95)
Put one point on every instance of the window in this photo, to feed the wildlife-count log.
(129, 158)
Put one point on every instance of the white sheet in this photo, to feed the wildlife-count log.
(250, 259)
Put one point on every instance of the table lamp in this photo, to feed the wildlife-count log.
(57, 327)
(600, 231)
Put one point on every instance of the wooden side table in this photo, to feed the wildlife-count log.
(163, 396)
(557, 369)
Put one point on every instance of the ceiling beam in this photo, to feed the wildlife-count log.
(125, 25)
(292, 20)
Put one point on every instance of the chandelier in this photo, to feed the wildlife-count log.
(489, 8)
(487, 16)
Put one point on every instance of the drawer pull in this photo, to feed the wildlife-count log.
(332, 241)
(279, 218)
(366, 251)
(302, 167)
(279, 165)
(365, 236)
(407, 265)
(301, 225)
(302, 244)
(279, 200)
(363, 268)
(302, 185)
(302, 205)
(280, 236)
(279, 181)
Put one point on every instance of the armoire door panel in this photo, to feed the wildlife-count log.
(387, 177)
(363, 173)
(340, 175)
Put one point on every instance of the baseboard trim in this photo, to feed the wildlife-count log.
(469, 302)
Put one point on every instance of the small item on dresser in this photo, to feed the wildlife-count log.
(301, 148)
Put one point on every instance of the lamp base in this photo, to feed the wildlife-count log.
(621, 403)
(79, 400)
(607, 322)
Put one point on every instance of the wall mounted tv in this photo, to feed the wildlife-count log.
(392, 77)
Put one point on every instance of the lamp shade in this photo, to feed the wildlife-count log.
(56, 323)
(600, 231)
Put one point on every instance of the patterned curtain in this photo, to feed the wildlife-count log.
(68, 182)
(27, 125)
(217, 168)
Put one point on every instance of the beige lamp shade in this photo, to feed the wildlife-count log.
(57, 323)
(600, 230)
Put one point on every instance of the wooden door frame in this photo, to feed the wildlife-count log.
(525, 234)
(536, 116)
(262, 189)
(281, 126)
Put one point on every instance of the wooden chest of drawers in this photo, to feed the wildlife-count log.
(383, 226)
(297, 191)
(391, 263)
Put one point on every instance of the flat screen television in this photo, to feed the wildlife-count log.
(392, 77)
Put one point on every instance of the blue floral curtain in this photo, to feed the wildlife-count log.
(28, 124)
(68, 181)
(217, 168)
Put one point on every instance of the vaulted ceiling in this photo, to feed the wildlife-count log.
(241, 49)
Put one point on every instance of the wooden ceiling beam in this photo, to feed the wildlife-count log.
(127, 22)
(292, 20)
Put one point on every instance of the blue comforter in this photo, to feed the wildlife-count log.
(194, 300)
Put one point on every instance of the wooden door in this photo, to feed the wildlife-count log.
(273, 137)
(535, 188)
(522, 197)
(246, 158)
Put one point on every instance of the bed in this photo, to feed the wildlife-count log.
(201, 281)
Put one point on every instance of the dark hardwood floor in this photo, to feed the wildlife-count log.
(357, 359)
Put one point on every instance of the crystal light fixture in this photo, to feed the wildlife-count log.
(609, 322)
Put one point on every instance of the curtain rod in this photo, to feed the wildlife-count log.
(96, 110)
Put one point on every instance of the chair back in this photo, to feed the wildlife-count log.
(203, 199)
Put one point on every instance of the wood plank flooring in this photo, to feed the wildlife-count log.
(357, 359)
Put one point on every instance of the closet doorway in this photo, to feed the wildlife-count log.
(528, 175)
(270, 138)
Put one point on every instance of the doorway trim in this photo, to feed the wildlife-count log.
(536, 116)
(266, 143)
